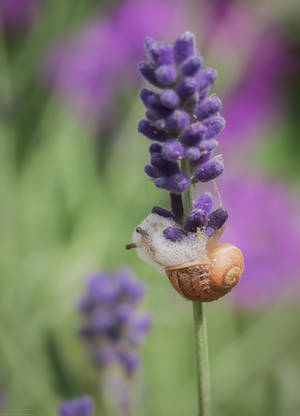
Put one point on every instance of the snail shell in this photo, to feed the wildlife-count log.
(206, 282)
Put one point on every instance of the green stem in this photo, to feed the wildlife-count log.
(201, 346)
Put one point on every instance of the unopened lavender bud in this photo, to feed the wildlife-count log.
(82, 406)
(166, 74)
(192, 65)
(204, 158)
(208, 107)
(152, 115)
(162, 212)
(174, 234)
(208, 145)
(160, 124)
(197, 219)
(193, 134)
(169, 99)
(187, 87)
(217, 218)
(214, 126)
(206, 78)
(177, 121)
(184, 46)
(173, 150)
(192, 153)
(152, 171)
(161, 53)
(147, 44)
(210, 169)
(148, 73)
(155, 148)
(178, 183)
(204, 202)
(167, 168)
(146, 128)
(145, 94)
(162, 182)
(155, 104)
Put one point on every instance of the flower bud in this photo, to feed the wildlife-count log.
(208, 145)
(155, 148)
(172, 150)
(162, 182)
(152, 171)
(210, 169)
(167, 168)
(192, 65)
(206, 78)
(166, 74)
(169, 99)
(204, 202)
(197, 219)
(155, 104)
(184, 46)
(147, 44)
(192, 153)
(208, 107)
(161, 53)
(162, 212)
(187, 87)
(148, 73)
(160, 124)
(214, 127)
(145, 94)
(178, 121)
(174, 234)
(151, 132)
(217, 218)
(178, 183)
(193, 134)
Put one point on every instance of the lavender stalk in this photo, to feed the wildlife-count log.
(200, 333)
(184, 121)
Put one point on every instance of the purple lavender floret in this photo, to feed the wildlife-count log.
(82, 406)
(204, 202)
(112, 329)
(197, 219)
(162, 212)
(185, 119)
(174, 234)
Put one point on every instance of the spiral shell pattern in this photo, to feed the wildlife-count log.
(207, 282)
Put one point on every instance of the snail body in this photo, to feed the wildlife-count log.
(198, 268)
(209, 281)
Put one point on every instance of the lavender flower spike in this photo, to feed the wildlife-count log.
(112, 329)
(83, 406)
(183, 120)
(186, 120)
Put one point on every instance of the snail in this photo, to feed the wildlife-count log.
(198, 268)
(205, 282)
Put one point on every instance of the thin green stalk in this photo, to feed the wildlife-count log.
(201, 346)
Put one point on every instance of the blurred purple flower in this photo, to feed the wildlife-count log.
(255, 101)
(17, 15)
(112, 328)
(264, 224)
(82, 406)
(91, 68)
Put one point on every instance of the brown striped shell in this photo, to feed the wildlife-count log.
(205, 282)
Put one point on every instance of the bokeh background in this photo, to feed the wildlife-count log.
(72, 189)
